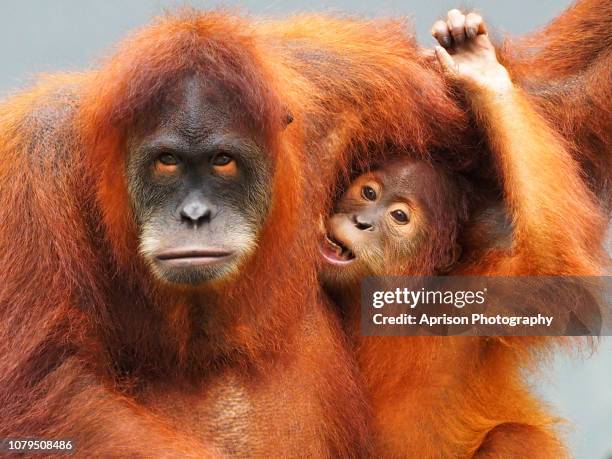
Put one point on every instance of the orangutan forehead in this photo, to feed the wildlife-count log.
(196, 107)
(406, 173)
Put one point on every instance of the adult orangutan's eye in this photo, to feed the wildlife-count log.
(168, 159)
(222, 159)
(167, 163)
(224, 164)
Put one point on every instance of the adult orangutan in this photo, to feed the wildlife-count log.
(156, 293)
(462, 396)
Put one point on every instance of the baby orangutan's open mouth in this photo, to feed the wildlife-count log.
(335, 251)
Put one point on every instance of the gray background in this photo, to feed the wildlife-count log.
(45, 35)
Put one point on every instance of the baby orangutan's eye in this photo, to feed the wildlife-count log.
(400, 216)
(368, 193)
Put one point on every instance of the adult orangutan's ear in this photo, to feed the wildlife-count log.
(288, 118)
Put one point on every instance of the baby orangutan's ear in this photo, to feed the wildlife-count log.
(450, 259)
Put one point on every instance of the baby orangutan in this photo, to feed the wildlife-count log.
(403, 217)
(462, 396)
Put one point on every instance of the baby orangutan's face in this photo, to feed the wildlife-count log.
(381, 223)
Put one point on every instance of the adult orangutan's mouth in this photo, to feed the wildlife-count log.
(193, 256)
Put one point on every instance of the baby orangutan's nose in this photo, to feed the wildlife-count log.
(362, 223)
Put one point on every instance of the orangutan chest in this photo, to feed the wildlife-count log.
(242, 418)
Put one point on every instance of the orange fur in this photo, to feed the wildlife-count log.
(453, 397)
(566, 68)
(459, 397)
(464, 391)
(439, 397)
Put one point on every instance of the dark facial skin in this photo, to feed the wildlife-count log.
(199, 183)
(390, 221)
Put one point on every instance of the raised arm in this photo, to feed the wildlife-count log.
(557, 226)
